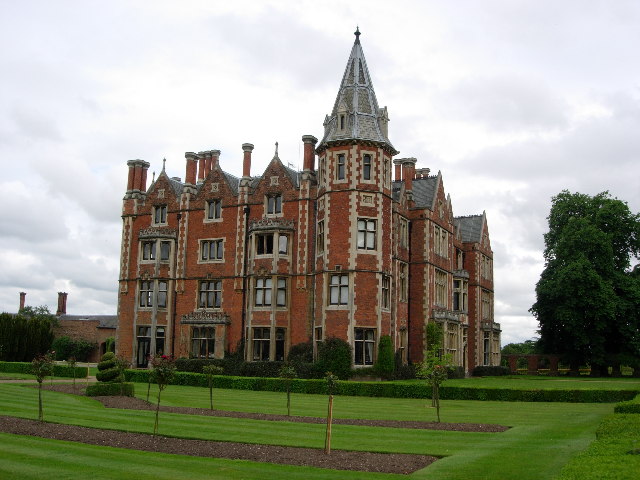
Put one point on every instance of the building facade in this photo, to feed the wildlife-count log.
(357, 245)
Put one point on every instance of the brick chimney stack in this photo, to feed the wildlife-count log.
(408, 167)
(137, 179)
(202, 166)
(398, 169)
(247, 148)
(215, 158)
(207, 164)
(23, 296)
(191, 168)
(62, 304)
(309, 152)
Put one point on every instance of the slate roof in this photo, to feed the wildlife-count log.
(424, 190)
(470, 228)
(176, 185)
(104, 321)
(357, 99)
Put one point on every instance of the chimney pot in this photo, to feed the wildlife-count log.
(23, 296)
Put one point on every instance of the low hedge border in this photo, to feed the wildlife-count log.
(391, 389)
(58, 370)
(632, 406)
(110, 389)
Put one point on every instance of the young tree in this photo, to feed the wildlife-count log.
(42, 366)
(288, 373)
(332, 383)
(587, 298)
(434, 370)
(164, 368)
(71, 362)
(210, 371)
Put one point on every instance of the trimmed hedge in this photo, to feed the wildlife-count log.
(58, 370)
(391, 389)
(110, 389)
(490, 371)
(632, 406)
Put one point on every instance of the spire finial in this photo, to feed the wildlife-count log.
(164, 162)
(276, 149)
(357, 34)
(154, 177)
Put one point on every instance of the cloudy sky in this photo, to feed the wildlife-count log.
(512, 100)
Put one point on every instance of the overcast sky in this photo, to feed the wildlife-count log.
(511, 100)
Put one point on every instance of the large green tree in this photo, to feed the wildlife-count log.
(588, 298)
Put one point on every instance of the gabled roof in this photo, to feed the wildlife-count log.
(470, 228)
(357, 101)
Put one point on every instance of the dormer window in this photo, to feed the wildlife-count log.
(366, 167)
(274, 204)
(342, 122)
(160, 214)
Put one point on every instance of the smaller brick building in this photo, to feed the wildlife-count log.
(90, 328)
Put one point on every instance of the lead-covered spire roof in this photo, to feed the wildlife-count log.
(355, 114)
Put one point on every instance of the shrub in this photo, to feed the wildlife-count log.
(108, 369)
(385, 361)
(66, 347)
(632, 406)
(392, 389)
(455, 372)
(58, 370)
(110, 389)
(261, 369)
(301, 353)
(334, 355)
(490, 371)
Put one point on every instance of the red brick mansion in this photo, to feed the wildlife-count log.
(357, 245)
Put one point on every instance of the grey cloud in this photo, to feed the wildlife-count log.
(506, 103)
(265, 48)
(30, 216)
(35, 125)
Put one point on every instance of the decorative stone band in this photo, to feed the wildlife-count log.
(158, 232)
(446, 315)
(205, 318)
(491, 326)
(271, 224)
(460, 274)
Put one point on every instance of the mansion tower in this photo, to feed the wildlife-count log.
(357, 245)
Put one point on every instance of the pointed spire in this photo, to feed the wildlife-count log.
(276, 154)
(355, 114)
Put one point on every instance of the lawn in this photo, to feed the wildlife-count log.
(542, 439)
(544, 383)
